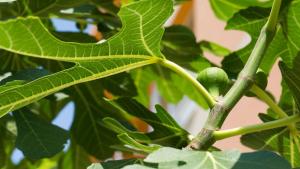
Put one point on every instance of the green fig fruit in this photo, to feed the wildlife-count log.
(214, 79)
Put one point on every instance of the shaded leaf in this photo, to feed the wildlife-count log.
(74, 158)
(179, 45)
(171, 86)
(292, 78)
(214, 48)
(251, 20)
(142, 80)
(165, 130)
(74, 37)
(120, 85)
(225, 9)
(279, 140)
(36, 138)
(13, 63)
(26, 75)
(166, 87)
(86, 128)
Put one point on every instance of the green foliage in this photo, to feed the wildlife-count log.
(37, 138)
(225, 9)
(118, 54)
(108, 80)
(292, 78)
(165, 132)
(217, 160)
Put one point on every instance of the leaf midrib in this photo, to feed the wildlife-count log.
(107, 73)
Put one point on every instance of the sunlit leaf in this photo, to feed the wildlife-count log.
(132, 47)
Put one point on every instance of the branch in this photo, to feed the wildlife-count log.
(219, 135)
(179, 70)
(245, 79)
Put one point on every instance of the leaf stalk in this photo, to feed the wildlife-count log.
(200, 88)
(219, 135)
(262, 95)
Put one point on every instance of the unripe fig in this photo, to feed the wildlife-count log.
(214, 79)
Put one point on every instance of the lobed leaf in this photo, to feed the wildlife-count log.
(136, 45)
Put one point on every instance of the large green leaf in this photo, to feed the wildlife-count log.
(225, 9)
(37, 138)
(174, 158)
(137, 44)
